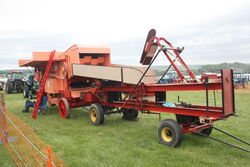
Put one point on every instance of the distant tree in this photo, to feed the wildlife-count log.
(237, 67)
(214, 68)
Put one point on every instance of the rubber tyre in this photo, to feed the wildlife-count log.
(9, 88)
(169, 133)
(185, 119)
(30, 96)
(130, 114)
(63, 108)
(207, 131)
(25, 91)
(96, 114)
(18, 86)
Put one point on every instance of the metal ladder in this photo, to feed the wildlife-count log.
(42, 86)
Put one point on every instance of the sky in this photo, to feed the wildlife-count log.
(212, 32)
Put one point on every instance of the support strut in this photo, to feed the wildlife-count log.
(227, 143)
(231, 136)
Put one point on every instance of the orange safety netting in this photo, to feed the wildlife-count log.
(24, 146)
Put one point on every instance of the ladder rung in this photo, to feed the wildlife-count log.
(43, 82)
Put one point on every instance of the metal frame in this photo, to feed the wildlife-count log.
(134, 94)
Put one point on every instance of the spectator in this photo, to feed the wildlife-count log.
(31, 103)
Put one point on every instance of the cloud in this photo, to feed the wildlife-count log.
(210, 30)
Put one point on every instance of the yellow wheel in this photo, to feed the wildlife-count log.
(170, 133)
(96, 114)
(93, 115)
(166, 134)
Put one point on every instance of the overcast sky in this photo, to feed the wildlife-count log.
(212, 31)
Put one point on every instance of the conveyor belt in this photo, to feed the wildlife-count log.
(129, 75)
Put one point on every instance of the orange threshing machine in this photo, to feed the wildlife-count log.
(84, 76)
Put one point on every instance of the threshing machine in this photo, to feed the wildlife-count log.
(84, 76)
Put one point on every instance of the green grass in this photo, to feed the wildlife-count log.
(124, 143)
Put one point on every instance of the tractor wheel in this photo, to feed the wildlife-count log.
(130, 114)
(96, 114)
(30, 96)
(9, 87)
(25, 91)
(18, 86)
(63, 108)
(170, 133)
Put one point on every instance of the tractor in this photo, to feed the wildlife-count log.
(240, 80)
(14, 82)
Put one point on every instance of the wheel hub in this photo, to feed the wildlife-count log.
(93, 115)
(62, 109)
(166, 134)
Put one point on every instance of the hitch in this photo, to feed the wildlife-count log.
(227, 143)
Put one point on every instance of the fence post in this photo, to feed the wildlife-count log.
(3, 121)
(49, 157)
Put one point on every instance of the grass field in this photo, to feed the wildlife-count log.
(125, 143)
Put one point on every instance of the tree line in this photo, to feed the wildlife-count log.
(214, 68)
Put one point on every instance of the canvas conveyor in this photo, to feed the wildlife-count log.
(123, 74)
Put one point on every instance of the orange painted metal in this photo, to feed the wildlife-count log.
(42, 84)
(23, 145)
(60, 76)
(83, 91)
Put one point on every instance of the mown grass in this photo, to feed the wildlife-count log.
(124, 143)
